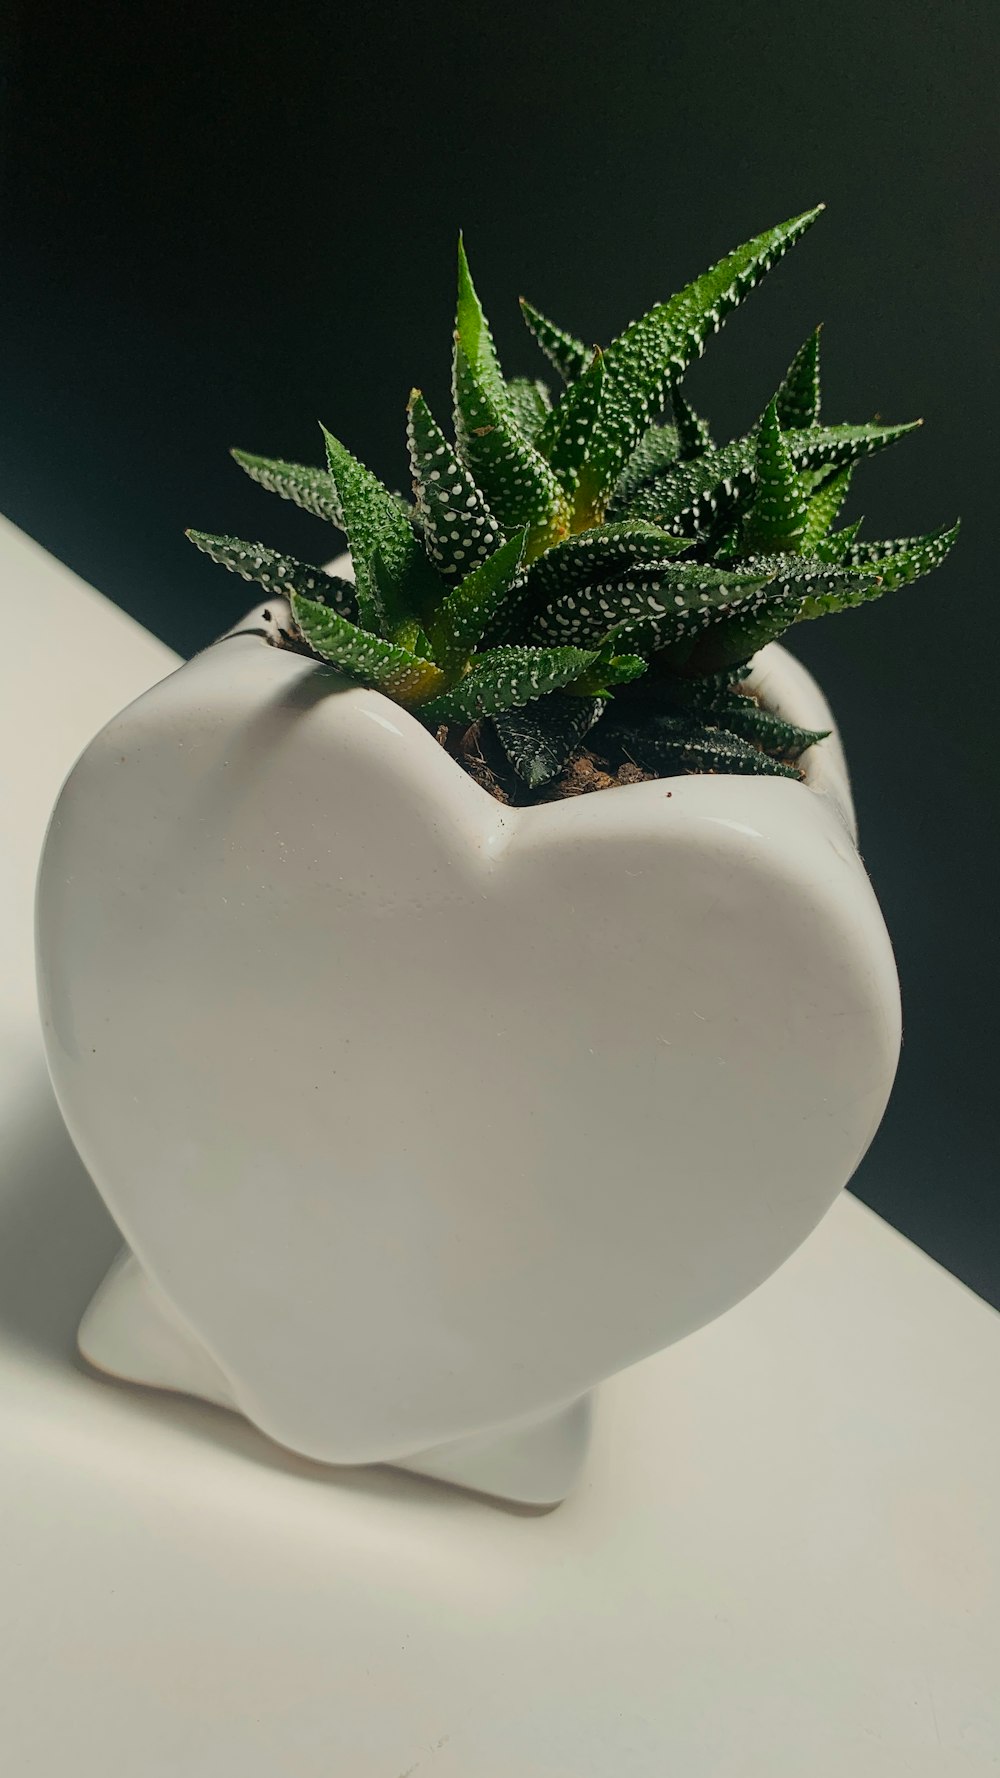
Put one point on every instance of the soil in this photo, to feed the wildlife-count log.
(477, 752)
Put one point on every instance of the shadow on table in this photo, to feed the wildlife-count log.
(56, 1243)
(56, 1238)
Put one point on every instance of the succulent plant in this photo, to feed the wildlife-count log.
(575, 569)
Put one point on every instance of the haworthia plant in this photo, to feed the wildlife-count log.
(582, 566)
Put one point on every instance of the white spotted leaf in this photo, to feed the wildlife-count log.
(277, 573)
(674, 744)
(651, 607)
(653, 353)
(519, 485)
(738, 637)
(568, 355)
(716, 701)
(836, 545)
(693, 434)
(689, 497)
(798, 398)
(457, 526)
(530, 402)
(540, 739)
(404, 676)
(312, 489)
(658, 449)
(605, 553)
(461, 621)
(568, 449)
(776, 518)
(823, 507)
(881, 567)
(508, 677)
(396, 584)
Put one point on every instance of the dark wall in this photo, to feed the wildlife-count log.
(223, 222)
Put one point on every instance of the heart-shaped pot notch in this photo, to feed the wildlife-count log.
(421, 1114)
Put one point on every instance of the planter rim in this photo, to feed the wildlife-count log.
(777, 677)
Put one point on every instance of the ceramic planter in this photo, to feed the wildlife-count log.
(421, 1115)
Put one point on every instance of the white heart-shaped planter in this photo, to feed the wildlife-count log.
(419, 1114)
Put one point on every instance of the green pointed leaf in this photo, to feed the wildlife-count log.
(395, 582)
(808, 576)
(836, 545)
(569, 356)
(521, 488)
(608, 670)
(877, 568)
(540, 739)
(725, 543)
(716, 702)
(654, 352)
(473, 330)
(276, 573)
(792, 581)
(371, 659)
(693, 435)
(691, 496)
(507, 677)
(842, 598)
(530, 402)
(609, 551)
(903, 561)
(658, 448)
(313, 489)
(744, 716)
(798, 398)
(823, 507)
(567, 450)
(685, 498)
(823, 447)
(667, 745)
(457, 526)
(739, 636)
(651, 606)
(461, 621)
(777, 516)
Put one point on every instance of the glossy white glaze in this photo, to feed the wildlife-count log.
(422, 1115)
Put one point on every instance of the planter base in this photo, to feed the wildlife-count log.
(130, 1332)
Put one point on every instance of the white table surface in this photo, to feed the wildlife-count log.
(783, 1561)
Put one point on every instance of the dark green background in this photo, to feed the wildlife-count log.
(222, 223)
